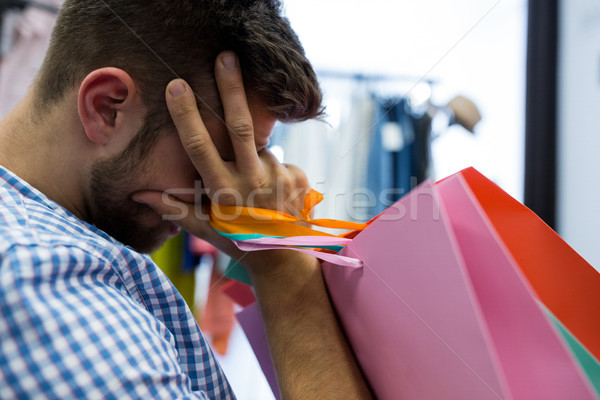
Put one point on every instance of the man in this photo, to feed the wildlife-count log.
(86, 158)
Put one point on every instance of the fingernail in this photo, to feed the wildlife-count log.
(138, 198)
(228, 60)
(177, 89)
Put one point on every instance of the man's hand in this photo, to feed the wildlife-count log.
(252, 178)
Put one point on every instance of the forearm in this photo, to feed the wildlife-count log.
(311, 356)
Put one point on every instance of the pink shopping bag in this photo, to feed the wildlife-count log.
(440, 308)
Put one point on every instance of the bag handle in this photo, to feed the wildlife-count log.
(254, 229)
(304, 244)
(249, 220)
(328, 257)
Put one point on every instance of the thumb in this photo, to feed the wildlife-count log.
(188, 216)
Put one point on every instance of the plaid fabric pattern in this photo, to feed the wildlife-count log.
(84, 317)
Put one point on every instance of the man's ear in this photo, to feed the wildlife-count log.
(104, 97)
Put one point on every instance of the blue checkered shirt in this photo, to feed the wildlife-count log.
(85, 317)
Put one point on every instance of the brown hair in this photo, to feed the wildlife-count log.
(156, 41)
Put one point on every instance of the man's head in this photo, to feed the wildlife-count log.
(155, 41)
(141, 45)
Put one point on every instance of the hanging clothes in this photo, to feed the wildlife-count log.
(422, 125)
(400, 151)
(26, 36)
(333, 153)
(390, 166)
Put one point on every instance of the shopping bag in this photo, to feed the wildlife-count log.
(562, 279)
(440, 308)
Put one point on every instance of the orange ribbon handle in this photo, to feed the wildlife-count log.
(250, 220)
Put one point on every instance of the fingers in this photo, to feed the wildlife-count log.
(294, 174)
(295, 198)
(290, 183)
(299, 177)
(253, 172)
(182, 106)
(237, 114)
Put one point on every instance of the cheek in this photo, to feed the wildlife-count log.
(170, 166)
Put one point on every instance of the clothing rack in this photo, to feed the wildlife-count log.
(362, 77)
